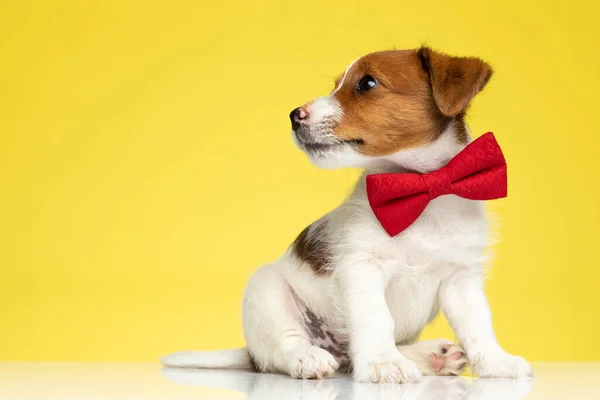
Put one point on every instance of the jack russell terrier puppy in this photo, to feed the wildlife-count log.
(346, 295)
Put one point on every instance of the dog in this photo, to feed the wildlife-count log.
(346, 295)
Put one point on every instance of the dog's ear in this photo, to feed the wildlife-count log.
(454, 80)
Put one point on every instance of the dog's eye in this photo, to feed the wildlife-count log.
(366, 83)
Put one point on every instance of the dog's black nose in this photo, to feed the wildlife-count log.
(297, 115)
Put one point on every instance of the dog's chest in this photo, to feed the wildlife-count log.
(449, 235)
(450, 231)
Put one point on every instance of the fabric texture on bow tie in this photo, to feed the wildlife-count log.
(478, 172)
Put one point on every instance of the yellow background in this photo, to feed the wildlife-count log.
(147, 168)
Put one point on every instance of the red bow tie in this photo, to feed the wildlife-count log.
(478, 172)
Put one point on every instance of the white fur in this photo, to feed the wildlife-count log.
(380, 291)
(327, 108)
(324, 107)
(344, 76)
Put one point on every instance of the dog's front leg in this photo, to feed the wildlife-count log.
(463, 300)
(374, 354)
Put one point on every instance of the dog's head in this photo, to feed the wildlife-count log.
(387, 102)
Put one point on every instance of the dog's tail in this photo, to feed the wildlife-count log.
(228, 359)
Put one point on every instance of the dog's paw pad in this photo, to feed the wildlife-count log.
(448, 359)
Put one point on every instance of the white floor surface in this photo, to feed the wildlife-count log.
(94, 381)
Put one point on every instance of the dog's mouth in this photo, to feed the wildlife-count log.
(316, 146)
(319, 148)
(322, 141)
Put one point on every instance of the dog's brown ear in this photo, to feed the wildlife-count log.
(454, 80)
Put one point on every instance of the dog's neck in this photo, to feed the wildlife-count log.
(423, 159)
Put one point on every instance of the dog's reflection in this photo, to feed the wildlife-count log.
(272, 386)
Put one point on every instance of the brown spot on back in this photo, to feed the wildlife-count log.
(312, 247)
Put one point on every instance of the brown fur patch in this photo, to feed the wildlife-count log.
(312, 248)
(398, 113)
(454, 80)
(418, 94)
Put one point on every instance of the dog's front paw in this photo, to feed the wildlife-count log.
(312, 363)
(493, 362)
(391, 369)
